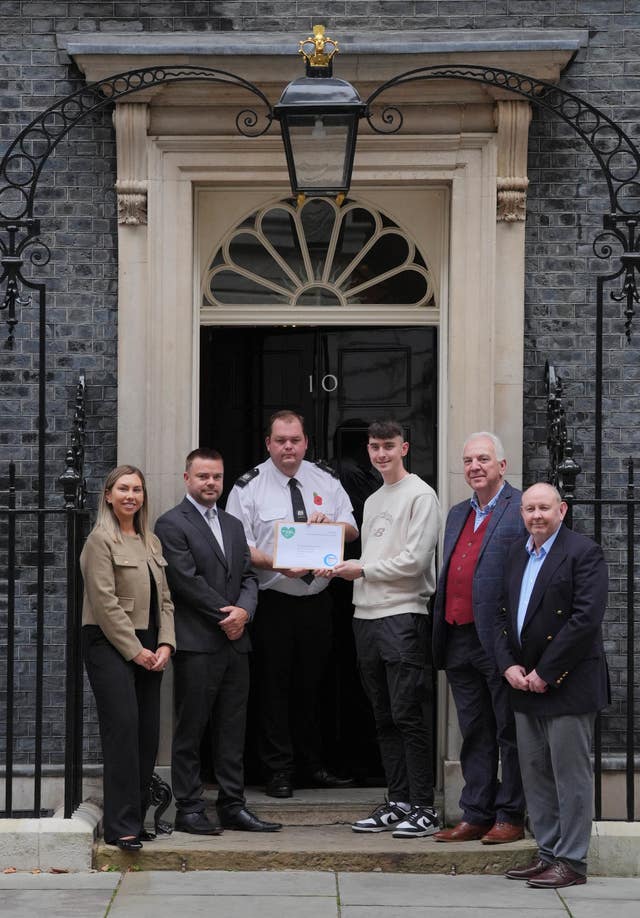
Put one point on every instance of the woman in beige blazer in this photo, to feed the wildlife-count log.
(127, 639)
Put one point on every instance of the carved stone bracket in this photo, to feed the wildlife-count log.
(512, 120)
(132, 202)
(131, 121)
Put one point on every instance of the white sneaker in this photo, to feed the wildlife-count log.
(383, 818)
(421, 821)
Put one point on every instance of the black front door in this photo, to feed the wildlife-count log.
(339, 379)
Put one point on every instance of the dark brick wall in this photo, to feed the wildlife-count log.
(76, 202)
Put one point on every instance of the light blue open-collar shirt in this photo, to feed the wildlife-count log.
(482, 512)
(531, 571)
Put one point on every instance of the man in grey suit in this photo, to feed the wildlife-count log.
(549, 646)
(215, 593)
(477, 536)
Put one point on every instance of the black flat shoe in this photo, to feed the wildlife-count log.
(147, 835)
(127, 844)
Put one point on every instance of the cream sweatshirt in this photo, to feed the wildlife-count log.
(399, 538)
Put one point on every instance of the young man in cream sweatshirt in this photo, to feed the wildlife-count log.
(394, 579)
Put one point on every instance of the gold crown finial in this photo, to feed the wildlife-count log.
(318, 49)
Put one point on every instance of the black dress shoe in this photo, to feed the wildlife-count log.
(245, 821)
(127, 844)
(324, 778)
(147, 835)
(196, 823)
(279, 785)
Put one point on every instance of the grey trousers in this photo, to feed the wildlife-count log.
(555, 762)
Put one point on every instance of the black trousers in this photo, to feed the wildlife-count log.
(394, 668)
(291, 638)
(128, 703)
(209, 686)
(488, 732)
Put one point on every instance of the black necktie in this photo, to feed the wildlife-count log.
(299, 514)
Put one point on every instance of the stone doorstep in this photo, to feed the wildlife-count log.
(52, 842)
(322, 847)
(326, 844)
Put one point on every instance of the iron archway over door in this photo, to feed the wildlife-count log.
(22, 164)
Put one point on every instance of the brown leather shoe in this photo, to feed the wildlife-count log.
(503, 833)
(557, 876)
(525, 873)
(464, 831)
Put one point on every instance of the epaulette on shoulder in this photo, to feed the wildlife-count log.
(324, 466)
(247, 477)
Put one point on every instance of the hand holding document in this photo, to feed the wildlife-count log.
(308, 545)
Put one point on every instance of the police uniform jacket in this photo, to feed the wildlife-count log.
(261, 498)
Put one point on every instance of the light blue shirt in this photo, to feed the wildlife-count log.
(482, 512)
(531, 571)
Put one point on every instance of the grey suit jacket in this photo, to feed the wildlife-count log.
(203, 579)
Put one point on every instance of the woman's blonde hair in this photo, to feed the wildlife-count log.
(107, 519)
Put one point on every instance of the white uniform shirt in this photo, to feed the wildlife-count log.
(266, 500)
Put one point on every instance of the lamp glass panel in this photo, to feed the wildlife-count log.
(320, 150)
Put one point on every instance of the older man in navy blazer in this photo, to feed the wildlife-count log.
(477, 536)
(550, 649)
(215, 593)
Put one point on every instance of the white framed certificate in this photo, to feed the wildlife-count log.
(308, 545)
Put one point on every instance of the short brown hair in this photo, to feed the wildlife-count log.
(285, 414)
(202, 452)
(385, 430)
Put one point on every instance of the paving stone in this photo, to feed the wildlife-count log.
(593, 909)
(30, 903)
(186, 906)
(612, 889)
(48, 882)
(229, 883)
(411, 890)
(436, 911)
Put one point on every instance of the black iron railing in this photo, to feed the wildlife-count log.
(42, 582)
(611, 521)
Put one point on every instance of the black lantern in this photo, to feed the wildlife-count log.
(319, 117)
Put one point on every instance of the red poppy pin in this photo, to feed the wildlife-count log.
(317, 499)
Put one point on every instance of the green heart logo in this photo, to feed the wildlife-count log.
(288, 532)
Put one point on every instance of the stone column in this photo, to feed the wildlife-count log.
(130, 121)
(512, 120)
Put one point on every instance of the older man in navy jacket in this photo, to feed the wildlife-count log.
(477, 537)
(550, 649)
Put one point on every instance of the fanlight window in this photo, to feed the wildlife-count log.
(317, 255)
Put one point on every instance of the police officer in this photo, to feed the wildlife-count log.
(292, 627)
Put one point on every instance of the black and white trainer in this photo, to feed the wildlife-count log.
(421, 821)
(384, 818)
